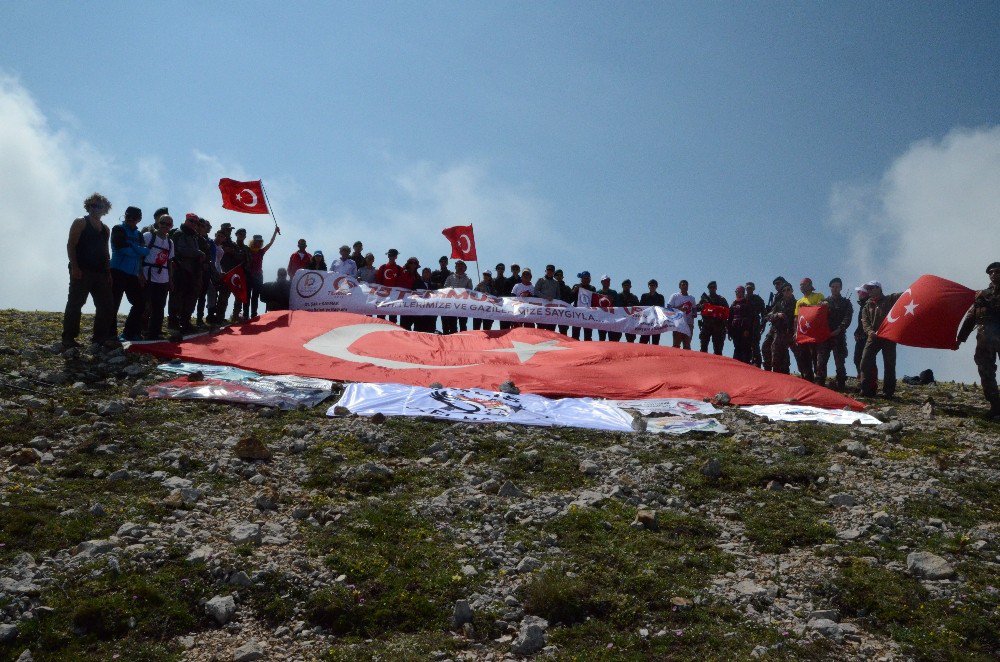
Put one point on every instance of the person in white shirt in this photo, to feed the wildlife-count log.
(684, 302)
(345, 264)
(460, 280)
(523, 290)
(157, 271)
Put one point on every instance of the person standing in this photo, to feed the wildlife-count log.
(345, 264)
(227, 259)
(485, 286)
(985, 315)
(428, 323)
(806, 353)
(127, 254)
(318, 262)
(547, 287)
(584, 284)
(367, 272)
(275, 294)
(685, 303)
(712, 328)
(357, 256)
(758, 309)
(388, 275)
(765, 350)
(859, 331)
(740, 326)
(255, 270)
(628, 299)
(241, 310)
(209, 276)
(157, 269)
(502, 288)
(782, 318)
(188, 260)
(651, 298)
(409, 279)
(458, 280)
(89, 274)
(840, 313)
(612, 296)
(872, 315)
(440, 275)
(300, 259)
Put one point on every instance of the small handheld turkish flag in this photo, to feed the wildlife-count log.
(928, 313)
(246, 197)
(712, 311)
(236, 280)
(463, 242)
(813, 325)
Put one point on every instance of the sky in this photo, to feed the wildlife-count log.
(667, 140)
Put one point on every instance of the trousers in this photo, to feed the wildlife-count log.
(869, 369)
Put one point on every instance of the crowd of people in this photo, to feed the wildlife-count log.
(179, 270)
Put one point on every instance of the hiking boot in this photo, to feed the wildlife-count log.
(70, 344)
(199, 322)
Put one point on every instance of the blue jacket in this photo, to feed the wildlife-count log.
(127, 249)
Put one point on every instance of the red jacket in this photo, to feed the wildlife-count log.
(295, 263)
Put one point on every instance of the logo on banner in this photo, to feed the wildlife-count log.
(467, 404)
(340, 280)
(309, 285)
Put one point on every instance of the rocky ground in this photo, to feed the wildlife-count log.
(139, 529)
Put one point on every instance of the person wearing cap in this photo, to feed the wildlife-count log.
(651, 298)
(782, 334)
(840, 313)
(208, 291)
(241, 311)
(89, 265)
(300, 259)
(344, 264)
(226, 259)
(859, 331)
(409, 279)
(318, 262)
(806, 353)
(457, 280)
(157, 271)
(758, 307)
(188, 260)
(566, 296)
(740, 325)
(388, 275)
(485, 286)
(524, 290)
(367, 271)
(255, 271)
(127, 254)
(872, 315)
(765, 349)
(683, 301)
(628, 299)
(514, 278)
(547, 287)
(712, 328)
(985, 315)
(584, 284)
(612, 295)
(357, 255)
(440, 275)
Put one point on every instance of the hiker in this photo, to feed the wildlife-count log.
(89, 274)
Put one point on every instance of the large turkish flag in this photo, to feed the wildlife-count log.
(349, 347)
(813, 325)
(928, 313)
(247, 197)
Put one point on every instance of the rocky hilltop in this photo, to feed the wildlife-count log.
(142, 529)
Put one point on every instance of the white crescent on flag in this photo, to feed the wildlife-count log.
(468, 243)
(909, 307)
(253, 196)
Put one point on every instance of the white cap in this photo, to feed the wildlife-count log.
(488, 272)
(873, 283)
(605, 277)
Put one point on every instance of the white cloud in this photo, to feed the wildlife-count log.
(935, 210)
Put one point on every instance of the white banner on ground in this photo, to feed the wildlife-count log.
(683, 424)
(333, 292)
(795, 413)
(672, 406)
(479, 406)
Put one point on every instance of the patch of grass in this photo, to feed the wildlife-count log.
(777, 521)
(741, 472)
(274, 598)
(930, 629)
(544, 467)
(133, 614)
(402, 573)
(930, 442)
(406, 647)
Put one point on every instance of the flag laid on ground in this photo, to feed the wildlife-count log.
(349, 347)
(236, 280)
(463, 242)
(928, 313)
(246, 197)
(813, 325)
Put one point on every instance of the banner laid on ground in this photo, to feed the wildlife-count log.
(478, 406)
(243, 386)
(672, 406)
(795, 413)
(355, 348)
(683, 424)
(332, 292)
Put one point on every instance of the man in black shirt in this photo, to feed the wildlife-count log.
(651, 298)
(628, 299)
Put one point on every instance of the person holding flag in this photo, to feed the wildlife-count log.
(872, 316)
(805, 353)
(985, 315)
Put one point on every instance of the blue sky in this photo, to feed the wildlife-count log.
(669, 140)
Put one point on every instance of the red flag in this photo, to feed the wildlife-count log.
(247, 197)
(588, 299)
(813, 326)
(463, 242)
(236, 281)
(928, 313)
(711, 311)
(349, 347)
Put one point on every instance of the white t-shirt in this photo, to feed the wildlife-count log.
(156, 264)
(523, 290)
(347, 266)
(686, 303)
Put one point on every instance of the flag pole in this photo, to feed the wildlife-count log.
(270, 209)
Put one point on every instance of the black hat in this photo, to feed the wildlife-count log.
(837, 281)
(627, 281)
(133, 214)
(242, 231)
(712, 284)
(443, 258)
(993, 265)
(392, 251)
(162, 211)
(225, 227)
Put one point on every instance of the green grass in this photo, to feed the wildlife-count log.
(777, 521)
